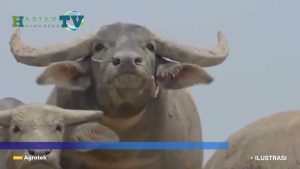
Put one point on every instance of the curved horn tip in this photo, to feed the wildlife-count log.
(223, 42)
(17, 31)
(15, 36)
(221, 36)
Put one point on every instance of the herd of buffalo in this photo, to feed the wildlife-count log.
(126, 83)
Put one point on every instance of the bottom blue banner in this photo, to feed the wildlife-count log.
(116, 145)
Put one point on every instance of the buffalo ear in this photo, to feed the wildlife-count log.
(92, 132)
(181, 75)
(67, 75)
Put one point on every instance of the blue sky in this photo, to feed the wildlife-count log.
(259, 78)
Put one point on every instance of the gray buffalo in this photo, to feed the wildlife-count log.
(137, 78)
(45, 123)
(269, 143)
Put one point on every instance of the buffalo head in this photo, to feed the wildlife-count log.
(124, 65)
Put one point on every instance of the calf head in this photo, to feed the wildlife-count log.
(125, 65)
(43, 123)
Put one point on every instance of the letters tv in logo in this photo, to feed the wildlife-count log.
(71, 20)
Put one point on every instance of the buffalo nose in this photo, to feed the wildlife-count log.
(127, 59)
(116, 61)
(39, 152)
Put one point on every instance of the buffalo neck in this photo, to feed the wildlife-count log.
(138, 127)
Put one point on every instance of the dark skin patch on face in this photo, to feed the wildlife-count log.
(127, 110)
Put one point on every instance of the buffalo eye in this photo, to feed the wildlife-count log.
(99, 47)
(16, 129)
(59, 128)
(150, 47)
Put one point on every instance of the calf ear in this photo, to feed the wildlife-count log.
(67, 74)
(92, 132)
(181, 75)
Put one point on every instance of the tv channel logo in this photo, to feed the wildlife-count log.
(70, 20)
